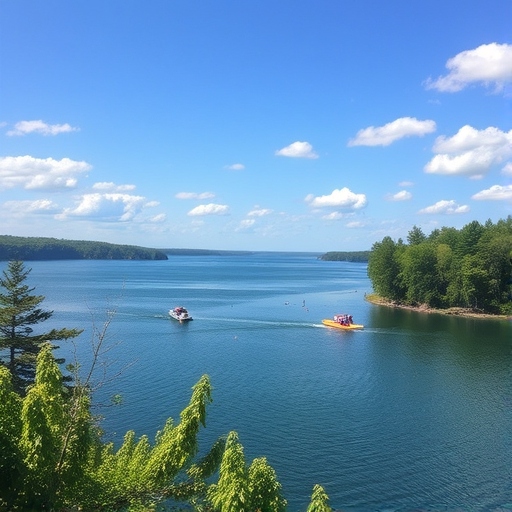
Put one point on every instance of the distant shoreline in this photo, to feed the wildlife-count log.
(463, 312)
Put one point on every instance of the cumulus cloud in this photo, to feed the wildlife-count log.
(209, 209)
(26, 127)
(343, 198)
(445, 207)
(39, 173)
(298, 150)
(403, 195)
(470, 152)
(391, 132)
(259, 212)
(108, 207)
(495, 193)
(235, 167)
(194, 195)
(489, 64)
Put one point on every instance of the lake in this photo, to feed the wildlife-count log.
(412, 413)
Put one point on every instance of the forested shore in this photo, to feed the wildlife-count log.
(466, 271)
(42, 248)
(352, 256)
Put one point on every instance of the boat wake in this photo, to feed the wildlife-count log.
(251, 321)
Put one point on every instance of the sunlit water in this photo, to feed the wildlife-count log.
(412, 413)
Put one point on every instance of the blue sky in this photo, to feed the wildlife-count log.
(270, 125)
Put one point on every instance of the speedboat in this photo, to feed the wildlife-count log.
(342, 322)
(180, 313)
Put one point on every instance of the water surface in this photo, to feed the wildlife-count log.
(412, 413)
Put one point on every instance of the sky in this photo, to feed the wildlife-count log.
(282, 125)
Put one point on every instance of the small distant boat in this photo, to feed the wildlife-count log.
(342, 322)
(180, 313)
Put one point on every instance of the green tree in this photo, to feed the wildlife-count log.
(468, 239)
(416, 236)
(384, 268)
(11, 459)
(319, 500)
(231, 493)
(243, 489)
(265, 490)
(52, 456)
(19, 311)
(420, 274)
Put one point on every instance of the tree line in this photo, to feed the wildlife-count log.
(467, 268)
(52, 456)
(352, 256)
(42, 248)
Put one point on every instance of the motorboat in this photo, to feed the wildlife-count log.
(342, 322)
(180, 313)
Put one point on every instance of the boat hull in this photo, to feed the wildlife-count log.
(181, 316)
(337, 325)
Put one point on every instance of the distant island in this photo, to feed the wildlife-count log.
(40, 248)
(46, 248)
(353, 256)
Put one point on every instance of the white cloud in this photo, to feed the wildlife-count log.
(507, 170)
(38, 173)
(343, 198)
(403, 195)
(445, 207)
(108, 185)
(194, 195)
(470, 152)
(355, 224)
(298, 150)
(495, 193)
(259, 212)
(235, 167)
(488, 64)
(333, 216)
(391, 132)
(38, 206)
(25, 127)
(209, 209)
(406, 184)
(161, 217)
(109, 207)
(245, 224)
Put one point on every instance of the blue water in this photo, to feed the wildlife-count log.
(412, 413)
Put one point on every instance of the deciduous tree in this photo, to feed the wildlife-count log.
(52, 456)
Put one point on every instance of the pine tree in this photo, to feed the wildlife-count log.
(19, 311)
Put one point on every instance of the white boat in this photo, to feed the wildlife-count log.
(180, 313)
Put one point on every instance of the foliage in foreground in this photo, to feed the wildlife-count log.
(52, 457)
(19, 312)
(466, 268)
